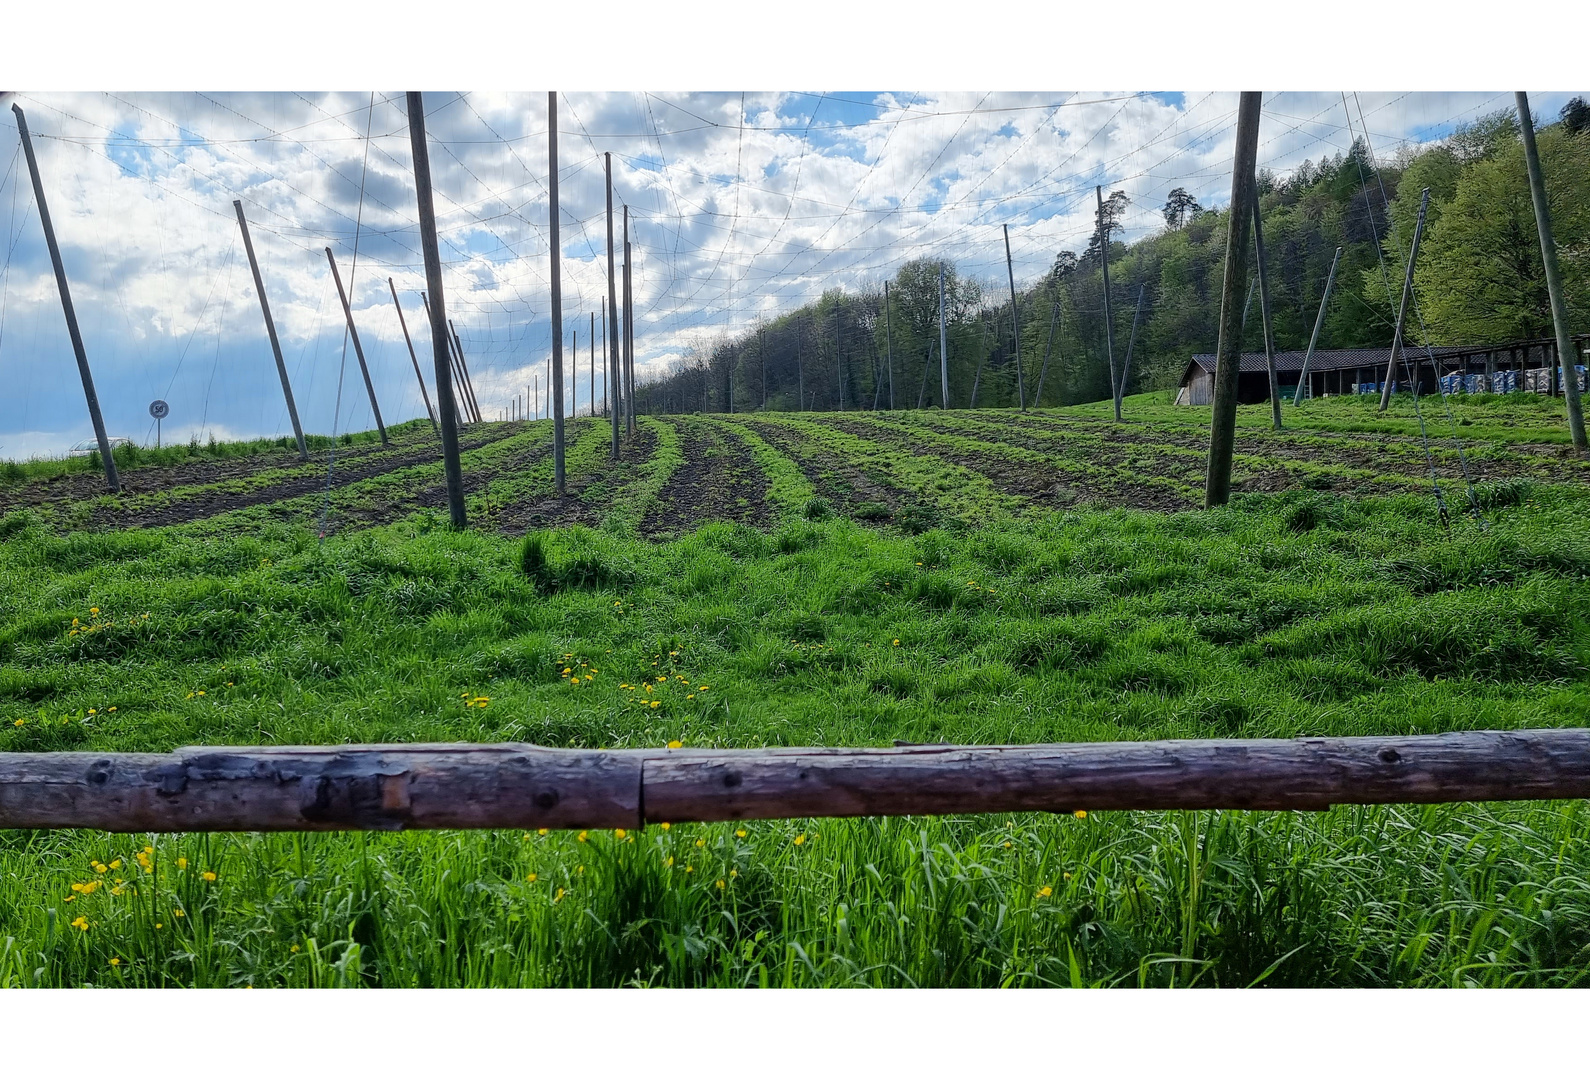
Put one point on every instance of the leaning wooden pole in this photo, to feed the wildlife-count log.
(1048, 347)
(446, 404)
(463, 368)
(1228, 351)
(888, 341)
(556, 256)
(1319, 321)
(629, 329)
(519, 786)
(1015, 322)
(460, 406)
(414, 359)
(358, 349)
(112, 480)
(1402, 310)
(944, 348)
(270, 332)
(1131, 341)
(1109, 325)
(1548, 257)
(611, 337)
(1264, 313)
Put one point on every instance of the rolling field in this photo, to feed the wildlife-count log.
(834, 578)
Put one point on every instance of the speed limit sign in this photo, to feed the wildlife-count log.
(159, 409)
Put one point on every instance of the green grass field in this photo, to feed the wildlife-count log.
(820, 579)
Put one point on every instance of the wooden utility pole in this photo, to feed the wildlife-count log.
(111, 478)
(446, 404)
(463, 366)
(612, 306)
(270, 332)
(557, 291)
(358, 349)
(1402, 310)
(1048, 348)
(1319, 320)
(1126, 365)
(944, 350)
(888, 339)
(607, 406)
(1228, 351)
(1264, 314)
(1566, 356)
(430, 412)
(1015, 321)
(629, 329)
(1109, 323)
(591, 348)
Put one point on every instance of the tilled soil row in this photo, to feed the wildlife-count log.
(833, 478)
(346, 470)
(719, 481)
(1041, 484)
(559, 511)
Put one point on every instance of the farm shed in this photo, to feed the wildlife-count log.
(1523, 365)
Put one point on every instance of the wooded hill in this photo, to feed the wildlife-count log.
(1479, 281)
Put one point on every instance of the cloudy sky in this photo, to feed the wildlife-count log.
(741, 206)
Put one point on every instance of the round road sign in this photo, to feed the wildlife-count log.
(159, 409)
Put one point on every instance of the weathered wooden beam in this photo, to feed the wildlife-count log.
(514, 785)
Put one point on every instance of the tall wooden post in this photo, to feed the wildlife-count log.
(412, 357)
(1109, 322)
(1126, 364)
(1228, 351)
(611, 334)
(944, 351)
(1319, 321)
(1048, 348)
(111, 477)
(607, 406)
(1264, 314)
(1566, 356)
(446, 406)
(591, 348)
(1402, 309)
(888, 339)
(629, 330)
(358, 349)
(1015, 321)
(270, 332)
(557, 290)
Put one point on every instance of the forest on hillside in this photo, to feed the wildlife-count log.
(1478, 281)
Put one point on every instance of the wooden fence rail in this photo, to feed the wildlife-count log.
(516, 785)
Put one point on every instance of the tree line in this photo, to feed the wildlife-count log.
(1479, 281)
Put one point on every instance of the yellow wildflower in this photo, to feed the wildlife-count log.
(182, 864)
(619, 833)
(115, 961)
(208, 875)
(720, 883)
(293, 948)
(801, 839)
(115, 864)
(558, 897)
(581, 837)
(706, 688)
(530, 877)
(542, 832)
(701, 843)
(80, 922)
(1082, 813)
(1045, 891)
(665, 826)
(93, 611)
(740, 833)
(655, 704)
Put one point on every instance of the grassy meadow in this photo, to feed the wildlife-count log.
(892, 583)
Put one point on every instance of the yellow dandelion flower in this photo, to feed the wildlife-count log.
(1081, 813)
(721, 883)
(18, 723)
(115, 864)
(530, 877)
(115, 961)
(201, 693)
(160, 926)
(182, 864)
(690, 697)
(542, 832)
(208, 875)
(706, 688)
(740, 833)
(558, 897)
(701, 843)
(111, 709)
(80, 922)
(690, 869)
(1067, 877)
(179, 914)
(734, 873)
(93, 712)
(665, 826)
(293, 948)
(655, 704)
(801, 839)
(619, 833)
(93, 611)
(897, 641)
(1007, 843)
(1045, 892)
(581, 837)
(669, 861)
(674, 744)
